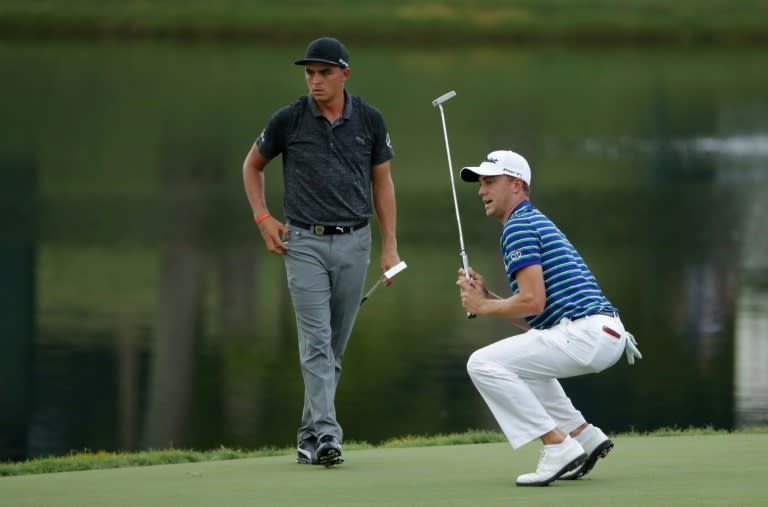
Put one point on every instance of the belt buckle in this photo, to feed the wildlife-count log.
(319, 230)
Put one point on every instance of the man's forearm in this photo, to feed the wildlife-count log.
(386, 211)
(517, 321)
(253, 181)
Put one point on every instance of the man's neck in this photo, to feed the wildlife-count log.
(332, 110)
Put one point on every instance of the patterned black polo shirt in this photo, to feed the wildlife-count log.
(327, 168)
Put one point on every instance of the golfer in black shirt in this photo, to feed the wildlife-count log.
(336, 155)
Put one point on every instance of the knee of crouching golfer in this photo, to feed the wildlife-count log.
(478, 365)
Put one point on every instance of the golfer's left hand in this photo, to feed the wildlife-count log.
(476, 278)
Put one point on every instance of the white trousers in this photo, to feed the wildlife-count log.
(517, 376)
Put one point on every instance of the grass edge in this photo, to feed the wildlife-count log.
(89, 460)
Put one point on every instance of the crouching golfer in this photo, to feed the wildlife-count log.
(572, 329)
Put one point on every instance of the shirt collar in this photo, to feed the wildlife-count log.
(348, 107)
(521, 208)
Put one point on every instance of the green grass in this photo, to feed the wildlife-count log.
(405, 22)
(93, 460)
(670, 468)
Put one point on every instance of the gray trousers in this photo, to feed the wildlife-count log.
(325, 279)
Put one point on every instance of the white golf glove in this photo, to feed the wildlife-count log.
(631, 350)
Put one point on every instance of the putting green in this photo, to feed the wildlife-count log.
(707, 470)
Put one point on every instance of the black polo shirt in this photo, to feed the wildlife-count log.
(327, 168)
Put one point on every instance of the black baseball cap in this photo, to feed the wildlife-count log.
(326, 50)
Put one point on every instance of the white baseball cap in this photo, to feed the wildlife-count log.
(498, 163)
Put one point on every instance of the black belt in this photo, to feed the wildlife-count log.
(608, 313)
(327, 230)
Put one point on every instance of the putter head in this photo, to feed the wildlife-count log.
(395, 269)
(387, 275)
(443, 98)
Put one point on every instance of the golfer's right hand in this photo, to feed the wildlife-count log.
(472, 294)
(273, 231)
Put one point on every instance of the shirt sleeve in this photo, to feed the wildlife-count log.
(382, 148)
(521, 248)
(271, 141)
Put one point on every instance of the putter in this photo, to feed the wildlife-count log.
(391, 272)
(438, 102)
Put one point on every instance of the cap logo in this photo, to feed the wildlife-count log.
(491, 160)
(343, 62)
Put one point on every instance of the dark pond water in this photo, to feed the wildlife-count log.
(140, 309)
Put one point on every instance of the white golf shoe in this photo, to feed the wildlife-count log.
(555, 460)
(596, 445)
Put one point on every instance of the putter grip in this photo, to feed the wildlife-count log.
(465, 265)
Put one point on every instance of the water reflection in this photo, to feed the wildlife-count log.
(147, 313)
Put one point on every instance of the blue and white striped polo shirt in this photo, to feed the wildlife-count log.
(528, 238)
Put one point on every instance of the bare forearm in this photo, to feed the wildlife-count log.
(529, 300)
(254, 190)
(253, 181)
(386, 211)
(514, 308)
(272, 230)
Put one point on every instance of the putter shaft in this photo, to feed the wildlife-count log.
(391, 272)
(373, 289)
(438, 102)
